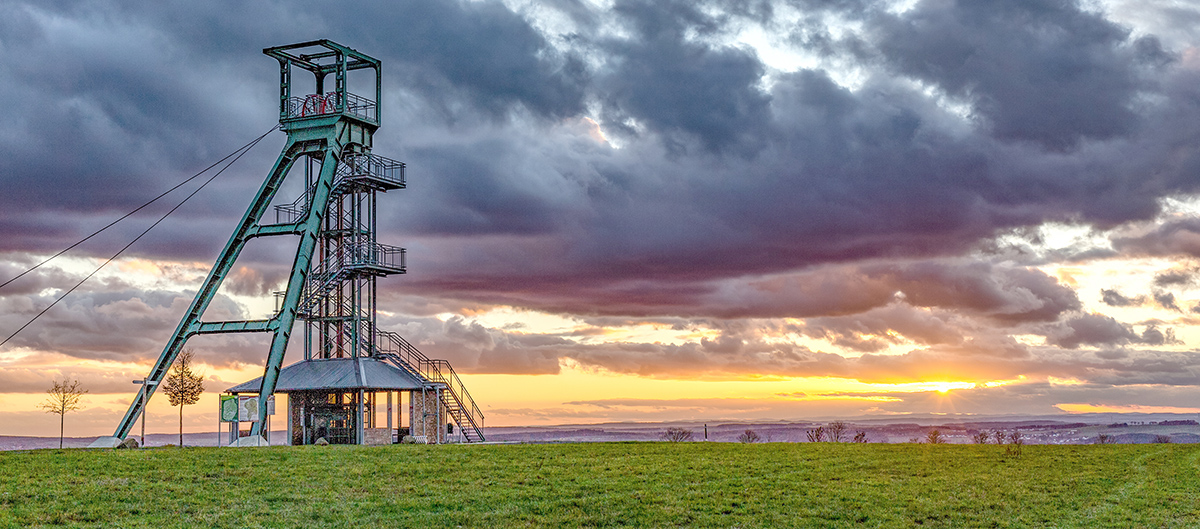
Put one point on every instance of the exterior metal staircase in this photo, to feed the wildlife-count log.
(438, 373)
(393, 348)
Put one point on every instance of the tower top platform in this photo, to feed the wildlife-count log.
(323, 58)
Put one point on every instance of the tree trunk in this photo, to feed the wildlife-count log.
(62, 420)
(181, 425)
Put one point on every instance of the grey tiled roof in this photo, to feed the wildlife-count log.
(336, 373)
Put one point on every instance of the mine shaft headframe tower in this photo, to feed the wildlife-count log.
(333, 132)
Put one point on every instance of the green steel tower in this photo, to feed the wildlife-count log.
(332, 284)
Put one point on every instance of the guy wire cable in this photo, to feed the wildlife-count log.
(139, 208)
(144, 232)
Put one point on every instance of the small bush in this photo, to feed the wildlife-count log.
(749, 436)
(1014, 443)
(1160, 438)
(934, 437)
(860, 437)
(816, 435)
(675, 434)
(1105, 439)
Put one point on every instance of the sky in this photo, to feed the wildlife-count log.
(640, 210)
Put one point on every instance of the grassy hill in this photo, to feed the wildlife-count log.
(606, 484)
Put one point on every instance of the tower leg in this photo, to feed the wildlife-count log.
(191, 321)
(300, 268)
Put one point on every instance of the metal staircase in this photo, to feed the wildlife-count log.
(393, 348)
(332, 299)
(438, 373)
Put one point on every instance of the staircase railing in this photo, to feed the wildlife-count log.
(394, 348)
(374, 166)
(436, 371)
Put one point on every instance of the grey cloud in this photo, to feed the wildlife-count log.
(1100, 330)
(1176, 277)
(1179, 237)
(837, 175)
(1167, 301)
(1113, 298)
(884, 326)
(727, 198)
(675, 85)
(1003, 293)
(105, 319)
(1090, 329)
(1042, 71)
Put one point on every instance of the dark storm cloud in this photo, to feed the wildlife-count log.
(1041, 71)
(997, 292)
(680, 86)
(727, 189)
(480, 50)
(718, 170)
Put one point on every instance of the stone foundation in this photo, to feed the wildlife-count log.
(377, 436)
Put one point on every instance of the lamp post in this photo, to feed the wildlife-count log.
(144, 394)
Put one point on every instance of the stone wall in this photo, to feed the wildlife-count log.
(377, 436)
(427, 416)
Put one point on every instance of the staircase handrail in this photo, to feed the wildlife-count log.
(431, 370)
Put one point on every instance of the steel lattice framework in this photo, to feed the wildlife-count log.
(332, 285)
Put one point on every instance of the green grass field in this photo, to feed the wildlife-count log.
(606, 485)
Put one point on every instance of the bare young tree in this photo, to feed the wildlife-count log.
(64, 397)
(816, 435)
(1015, 438)
(860, 437)
(1014, 443)
(1160, 438)
(981, 438)
(1105, 439)
(999, 435)
(676, 434)
(749, 436)
(183, 386)
(836, 432)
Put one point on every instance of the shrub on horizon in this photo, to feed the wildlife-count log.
(676, 434)
(1014, 443)
(934, 437)
(836, 431)
(816, 435)
(749, 436)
